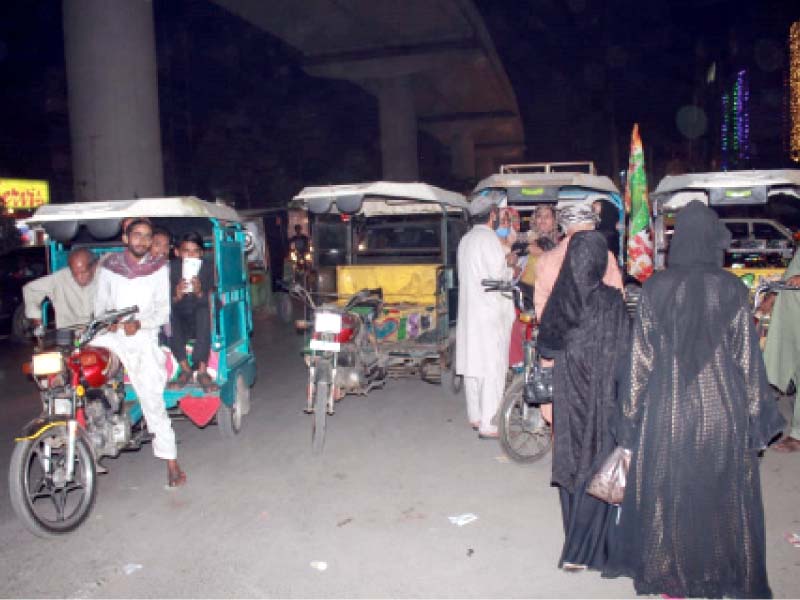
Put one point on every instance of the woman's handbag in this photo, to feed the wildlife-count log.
(541, 384)
(608, 484)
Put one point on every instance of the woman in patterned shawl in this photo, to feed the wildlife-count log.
(698, 413)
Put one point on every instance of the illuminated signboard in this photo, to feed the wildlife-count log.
(23, 194)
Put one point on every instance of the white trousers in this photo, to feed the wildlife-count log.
(146, 366)
(483, 400)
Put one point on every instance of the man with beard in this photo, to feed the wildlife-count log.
(135, 277)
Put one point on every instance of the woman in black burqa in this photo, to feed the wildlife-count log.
(698, 413)
(585, 329)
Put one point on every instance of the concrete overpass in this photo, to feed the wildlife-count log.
(431, 64)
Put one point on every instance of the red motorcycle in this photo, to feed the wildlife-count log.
(53, 470)
(523, 433)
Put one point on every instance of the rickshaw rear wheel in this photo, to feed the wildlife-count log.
(523, 440)
(229, 418)
(320, 416)
(454, 382)
(283, 305)
(21, 328)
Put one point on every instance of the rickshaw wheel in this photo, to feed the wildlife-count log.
(320, 416)
(454, 382)
(523, 440)
(21, 329)
(229, 418)
(283, 305)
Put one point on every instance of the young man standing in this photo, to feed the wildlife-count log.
(134, 277)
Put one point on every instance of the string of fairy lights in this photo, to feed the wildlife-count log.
(735, 125)
(794, 91)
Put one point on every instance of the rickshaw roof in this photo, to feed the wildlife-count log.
(599, 183)
(385, 197)
(179, 206)
(725, 187)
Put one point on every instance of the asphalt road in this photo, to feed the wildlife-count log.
(258, 510)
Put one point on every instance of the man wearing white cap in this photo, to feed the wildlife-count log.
(483, 330)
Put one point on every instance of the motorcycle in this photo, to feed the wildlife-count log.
(342, 356)
(524, 435)
(54, 465)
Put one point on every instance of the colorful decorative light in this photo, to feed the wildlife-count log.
(742, 117)
(735, 128)
(794, 91)
(724, 132)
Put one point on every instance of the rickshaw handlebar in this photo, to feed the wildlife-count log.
(498, 285)
(770, 286)
(298, 291)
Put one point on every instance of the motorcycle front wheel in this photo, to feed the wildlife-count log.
(524, 434)
(320, 416)
(41, 496)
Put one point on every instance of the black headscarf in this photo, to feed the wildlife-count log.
(607, 225)
(695, 312)
(700, 238)
(576, 290)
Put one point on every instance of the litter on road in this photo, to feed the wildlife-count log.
(131, 568)
(319, 565)
(464, 519)
(793, 539)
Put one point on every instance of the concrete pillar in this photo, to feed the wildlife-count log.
(113, 99)
(487, 165)
(398, 118)
(462, 154)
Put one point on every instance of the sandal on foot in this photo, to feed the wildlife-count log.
(205, 381)
(181, 381)
(176, 478)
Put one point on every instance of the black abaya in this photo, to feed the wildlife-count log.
(585, 328)
(698, 412)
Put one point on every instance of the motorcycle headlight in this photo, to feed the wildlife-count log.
(47, 363)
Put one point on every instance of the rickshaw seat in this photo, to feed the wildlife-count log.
(412, 284)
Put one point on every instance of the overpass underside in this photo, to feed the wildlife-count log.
(430, 64)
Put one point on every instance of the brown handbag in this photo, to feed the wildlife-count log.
(608, 484)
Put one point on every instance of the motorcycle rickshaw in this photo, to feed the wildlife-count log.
(385, 259)
(523, 434)
(525, 187)
(90, 410)
(760, 249)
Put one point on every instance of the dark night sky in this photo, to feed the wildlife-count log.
(241, 120)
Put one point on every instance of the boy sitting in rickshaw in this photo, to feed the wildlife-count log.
(190, 315)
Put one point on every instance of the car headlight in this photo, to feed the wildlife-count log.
(47, 363)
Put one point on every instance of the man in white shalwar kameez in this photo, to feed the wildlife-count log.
(483, 329)
(134, 277)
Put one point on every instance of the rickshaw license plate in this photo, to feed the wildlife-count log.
(62, 406)
(325, 346)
